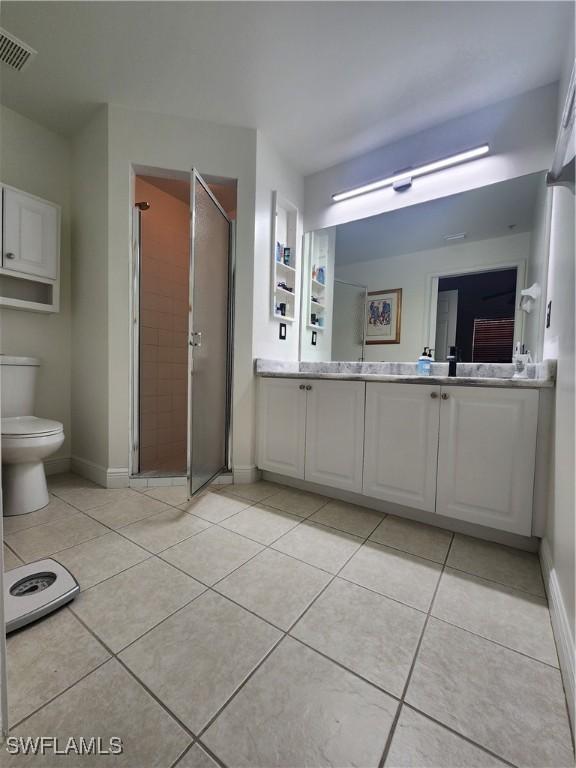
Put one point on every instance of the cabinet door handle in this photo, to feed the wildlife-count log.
(433, 395)
(302, 386)
(308, 387)
(445, 395)
(10, 255)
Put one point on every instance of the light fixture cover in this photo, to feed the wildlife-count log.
(422, 170)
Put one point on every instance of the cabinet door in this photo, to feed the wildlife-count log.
(401, 443)
(31, 235)
(281, 426)
(335, 433)
(486, 456)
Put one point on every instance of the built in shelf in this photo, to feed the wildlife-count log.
(284, 237)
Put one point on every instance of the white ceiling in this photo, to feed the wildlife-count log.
(325, 80)
(481, 213)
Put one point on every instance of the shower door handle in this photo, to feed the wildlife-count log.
(198, 335)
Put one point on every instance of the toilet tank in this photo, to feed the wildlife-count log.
(17, 385)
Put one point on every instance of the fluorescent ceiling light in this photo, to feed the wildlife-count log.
(457, 236)
(422, 170)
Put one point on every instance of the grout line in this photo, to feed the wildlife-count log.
(214, 757)
(116, 657)
(412, 666)
(495, 642)
(458, 734)
(61, 693)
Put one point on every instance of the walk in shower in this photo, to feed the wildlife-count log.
(182, 326)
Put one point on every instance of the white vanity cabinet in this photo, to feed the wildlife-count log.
(30, 234)
(463, 452)
(335, 433)
(401, 443)
(312, 430)
(486, 456)
(282, 426)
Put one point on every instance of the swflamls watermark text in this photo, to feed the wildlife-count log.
(73, 745)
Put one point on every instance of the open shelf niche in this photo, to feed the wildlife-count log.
(317, 279)
(284, 268)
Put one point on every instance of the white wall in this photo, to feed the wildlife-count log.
(89, 297)
(38, 161)
(538, 272)
(412, 273)
(558, 545)
(170, 142)
(273, 172)
(521, 132)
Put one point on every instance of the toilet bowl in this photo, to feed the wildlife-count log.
(26, 440)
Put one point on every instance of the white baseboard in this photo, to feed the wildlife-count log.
(244, 475)
(560, 626)
(106, 477)
(57, 466)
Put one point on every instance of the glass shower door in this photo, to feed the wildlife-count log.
(210, 332)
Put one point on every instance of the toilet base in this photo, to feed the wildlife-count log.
(24, 488)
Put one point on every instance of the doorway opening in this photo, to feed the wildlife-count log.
(182, 325)
(476, 314)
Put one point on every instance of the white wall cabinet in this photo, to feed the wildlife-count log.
(462, 452)
(312, 430)
(486, 456)
(30, 252)
(401, 443)
(31, 230)
(335, 433)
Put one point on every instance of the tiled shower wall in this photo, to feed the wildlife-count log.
(163, 330)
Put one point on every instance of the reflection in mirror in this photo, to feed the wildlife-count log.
(441, 274)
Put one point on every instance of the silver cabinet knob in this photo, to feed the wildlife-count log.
(10, 255)
(308, 387)
(433, 395)
(445, 396)
(301, 386)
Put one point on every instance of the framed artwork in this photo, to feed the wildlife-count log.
(383, 313)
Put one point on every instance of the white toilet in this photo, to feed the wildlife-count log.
(26, 440)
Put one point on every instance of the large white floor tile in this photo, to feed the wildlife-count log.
(349, 518)
(508, 616)
(416, 538)
(109, 702)
(260, 523)
(506, 565)
(300, 709)
(510, 704)
(124, 607)
(165, 529)
(418, 742)
(318, 545)
(407, 578)
(44, 540)
(195, 660)
(366, 632)
(47, 657)
(274, 586)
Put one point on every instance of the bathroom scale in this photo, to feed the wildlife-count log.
(34, 590)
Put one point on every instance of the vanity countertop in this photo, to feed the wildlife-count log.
(540, 375)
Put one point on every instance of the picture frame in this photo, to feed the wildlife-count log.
(383, 314)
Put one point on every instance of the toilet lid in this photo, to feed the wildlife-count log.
(29, 426)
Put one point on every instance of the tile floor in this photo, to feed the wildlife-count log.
(262, 626)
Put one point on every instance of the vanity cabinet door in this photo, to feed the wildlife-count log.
(486, 456)
(401, 443)
(281, 426)
(335, 433)
(31, 235)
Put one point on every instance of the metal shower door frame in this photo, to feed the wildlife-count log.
(196, 178)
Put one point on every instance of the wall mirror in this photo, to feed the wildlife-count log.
(449, 272)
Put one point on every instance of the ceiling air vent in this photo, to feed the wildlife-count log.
(14, 52)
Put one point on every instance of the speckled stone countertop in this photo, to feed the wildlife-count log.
(539, 375)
